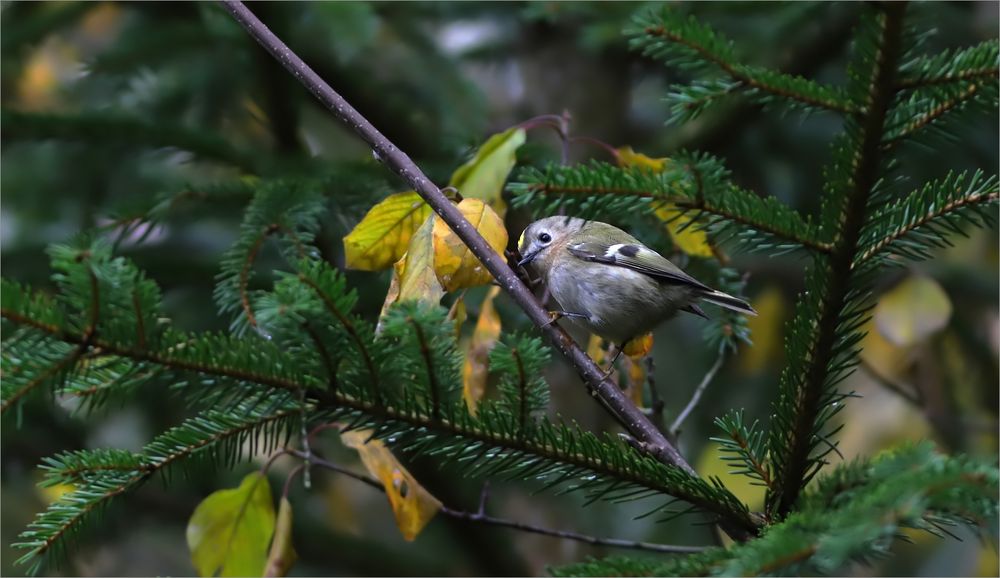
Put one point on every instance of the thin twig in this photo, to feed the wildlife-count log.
(675, 427)
(655, 401)
(902, 391)
(481, 518)
(616, 403)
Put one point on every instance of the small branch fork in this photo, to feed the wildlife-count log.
(480, 516)
(614, 400)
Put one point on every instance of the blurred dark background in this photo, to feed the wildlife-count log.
(110, 108)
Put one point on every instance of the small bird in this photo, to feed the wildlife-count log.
(607, 281)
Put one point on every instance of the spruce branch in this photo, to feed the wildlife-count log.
(805, 401)
(560, 452)
(102, 475)
(745, 446)
(686, 41)
(315, 279)
(695, 183)
(14, 392)
(979, 62)
(480, 517)
(633, 420)
(927, 111)
(854, 514)
(911, 226)
(130, 130)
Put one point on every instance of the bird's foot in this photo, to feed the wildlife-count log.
(557, 315)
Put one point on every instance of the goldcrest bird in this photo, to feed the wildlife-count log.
(607, 281)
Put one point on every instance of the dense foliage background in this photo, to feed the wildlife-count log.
(112, 108)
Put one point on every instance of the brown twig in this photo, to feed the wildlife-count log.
(620, 407)
(675, 428)
(656, 404)
(245, 272)
(481, 518)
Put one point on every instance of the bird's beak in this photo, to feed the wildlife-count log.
(528, 258)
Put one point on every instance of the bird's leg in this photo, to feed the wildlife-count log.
(611, 368)
(557, 315)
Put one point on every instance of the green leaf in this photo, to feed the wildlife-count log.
(230, 530)
(484, 175)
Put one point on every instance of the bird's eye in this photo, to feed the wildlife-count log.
(545, 237)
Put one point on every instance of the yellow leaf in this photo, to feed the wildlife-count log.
(55, 492)
(885, 358)
(913, 310)
(230, 530)
(484, 175)
(455, 264)
(382, 236)
(476, 367)
(417, 280)
(687, 237)
(710, 464)
(639, 347)
(411, 503)
(595, 349)
(629, 158)
(282, 555)
(636, 379)
(766, 330)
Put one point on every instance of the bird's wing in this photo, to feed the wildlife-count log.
(635, 256)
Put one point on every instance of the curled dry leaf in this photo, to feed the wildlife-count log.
(282, 555)
(413, 276)
(412, 505)
(455, 264)
(475, 370)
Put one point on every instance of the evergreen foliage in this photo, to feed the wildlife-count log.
(854, 515)
(299, 354)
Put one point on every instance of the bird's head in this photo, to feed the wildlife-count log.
(540, 240)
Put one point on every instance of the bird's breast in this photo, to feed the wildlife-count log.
(619, 303)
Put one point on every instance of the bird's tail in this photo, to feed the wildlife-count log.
(729, 302)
